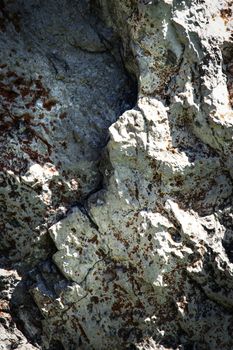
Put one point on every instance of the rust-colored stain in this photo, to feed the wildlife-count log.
(226, 13)
(48, 104)
(16, 90)
(63, 115)
(7, 92)
(13, 85)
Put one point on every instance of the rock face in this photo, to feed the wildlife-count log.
(116, 208)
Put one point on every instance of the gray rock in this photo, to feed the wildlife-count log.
(131, 199)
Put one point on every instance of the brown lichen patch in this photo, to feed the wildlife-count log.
(35, 155)
(118, 236)
(7, 92)
(63, 115)
(226, 13)
(94, 299)
(17, 158)
(4, 306)
(94, 239)
(48, 104)
(78, 326)
(17, 92)
(62, 193)
(15, 88)
(16, 165)
(121, 306)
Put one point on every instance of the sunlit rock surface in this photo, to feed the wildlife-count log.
(116, 208)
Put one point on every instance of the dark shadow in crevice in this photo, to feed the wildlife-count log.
(88, 109)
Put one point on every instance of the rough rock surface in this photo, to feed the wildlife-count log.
(131, 199)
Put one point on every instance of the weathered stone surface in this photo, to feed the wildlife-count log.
(58, 98)
(142, 223)
(10, 336)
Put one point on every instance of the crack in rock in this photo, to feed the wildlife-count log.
(116, 174)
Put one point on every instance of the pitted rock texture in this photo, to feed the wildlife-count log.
(145, 249)
(60, 90)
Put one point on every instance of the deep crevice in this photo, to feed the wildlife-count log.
(47, 75)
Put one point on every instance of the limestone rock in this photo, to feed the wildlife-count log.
(132, 199)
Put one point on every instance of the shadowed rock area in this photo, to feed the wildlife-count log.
(62, 84)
